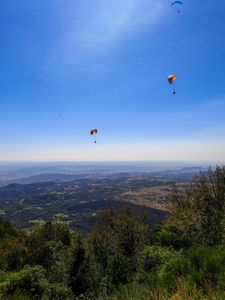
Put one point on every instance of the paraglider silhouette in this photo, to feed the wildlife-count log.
(171, 79)
(177, 3)
(94, 131)
(39, 78)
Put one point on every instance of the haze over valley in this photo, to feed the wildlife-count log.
(32, 193)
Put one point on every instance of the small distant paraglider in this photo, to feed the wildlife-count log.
(93, 132)
(40, 77)
(171, 79)
(175, 3)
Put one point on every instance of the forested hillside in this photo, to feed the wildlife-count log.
(121, 257)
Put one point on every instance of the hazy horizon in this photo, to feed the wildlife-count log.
(26, 169)
(155, 162)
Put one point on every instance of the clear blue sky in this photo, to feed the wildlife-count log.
(105, 64)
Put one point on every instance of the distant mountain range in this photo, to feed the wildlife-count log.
(31, 173)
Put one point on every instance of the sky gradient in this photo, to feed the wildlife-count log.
(105, 65)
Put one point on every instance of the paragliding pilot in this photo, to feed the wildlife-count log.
(171, 80)
(94, 131)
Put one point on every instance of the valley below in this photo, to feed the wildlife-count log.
(78, 199)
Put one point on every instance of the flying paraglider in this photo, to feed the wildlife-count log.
(39, 78)
(177, 3)
(171, 79)
(94, 131)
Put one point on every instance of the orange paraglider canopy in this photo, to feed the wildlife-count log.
(171, 78)
(94, 131)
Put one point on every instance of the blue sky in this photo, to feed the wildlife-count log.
(105, 64)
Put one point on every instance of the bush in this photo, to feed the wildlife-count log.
(173, 234)
(13, 254)
(30, 282)
(197, 212)
(207, 267)
(84, 274)
(47, 243)
(119, 269)
(159, 267)
(118, 231)
(59, 292)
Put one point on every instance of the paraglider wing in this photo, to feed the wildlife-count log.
(39, 77)
(171, 78)
(94, 131)
(177, 2)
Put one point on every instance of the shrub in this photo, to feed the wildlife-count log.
(207, 267)
(159, 267)
(29, 282)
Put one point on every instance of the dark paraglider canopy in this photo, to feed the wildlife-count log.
(177, 2)
(39, 77)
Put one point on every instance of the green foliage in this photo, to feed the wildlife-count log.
(118, 231)
(84, 273)
(47, 243)
(17, 296)
(59, 270)
(56, 231)
(79, 269)
(13, 254)
(207, 266)
(7, 229)
(209, 201)
(12, 247)
(172, 234)
(159, 267)
(51, 231)
(60, 291)
(136, 291)
(30, 282)
(119, 270)
(115, 242)
(121, 258)
(197, 213)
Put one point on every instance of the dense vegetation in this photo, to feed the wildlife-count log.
(121, 257)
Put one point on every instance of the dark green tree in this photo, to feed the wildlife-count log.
(197, 213)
